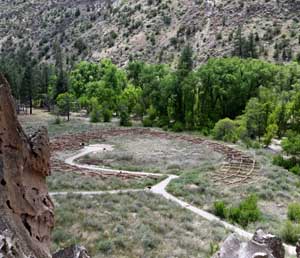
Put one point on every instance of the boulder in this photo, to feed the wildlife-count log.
(262, 245)
(74, 251)
(298, 249)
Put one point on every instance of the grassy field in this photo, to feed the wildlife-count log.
(133, 225)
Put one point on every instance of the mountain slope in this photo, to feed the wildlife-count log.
(152, 30)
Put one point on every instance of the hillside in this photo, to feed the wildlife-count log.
(152, 30)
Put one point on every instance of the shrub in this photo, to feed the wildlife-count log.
(294, 212)
(296, 169)
(220, 209)
(124, 117)
(290, 164)
(59, 236)
(178, 127)
(162, 121)
(105, 246)
(149, 242)
(147, 122)
(290, 232)
(246, 212)
(225, 130)
(249, 211)
(107, 115)
(95, 115)
(57, 120)
(151, 112)
(233, 214)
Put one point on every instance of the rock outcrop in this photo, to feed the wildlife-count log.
(262, 245)
(74, 251)
(298, 249)
(26, 210)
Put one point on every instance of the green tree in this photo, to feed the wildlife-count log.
(225, 130)
(291, 144)
(64, 102)
(27, 89)
(256, 118)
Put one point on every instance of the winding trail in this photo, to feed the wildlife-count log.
(159, 189)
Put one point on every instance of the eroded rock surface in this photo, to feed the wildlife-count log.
(26, 210)
(298, 249)
(74, 251)
(262, 245)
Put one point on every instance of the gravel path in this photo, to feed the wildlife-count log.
(159, 189)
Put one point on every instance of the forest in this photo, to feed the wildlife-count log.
(232, 99)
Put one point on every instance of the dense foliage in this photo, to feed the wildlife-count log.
(231, 98)
(245, 213)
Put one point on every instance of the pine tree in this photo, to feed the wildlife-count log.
(27, 86)
(62, 82)
(238, 43)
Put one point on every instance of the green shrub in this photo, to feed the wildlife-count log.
(107, 115)
(95, 115)
(177, 127)
(225, 130)
(149, 242)
(147, 122)
(125, 118)
(59, 236)
(163, 121)
(151, 112)
(233, 214)
(249, 209)
(289, 164)
(296, 169)
(105, 246)
(290, 232)
(294, 212)
(57, 120)
(244, 214)
(220, 209)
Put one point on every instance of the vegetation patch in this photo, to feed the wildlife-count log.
(133, 225)
(245, 213)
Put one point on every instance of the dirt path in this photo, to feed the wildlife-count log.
(159, 189)
(97, 192)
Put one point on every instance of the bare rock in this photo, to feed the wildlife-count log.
(262, 245)
(298, 249)
(272, 242)
(74, 251)
(26, 210)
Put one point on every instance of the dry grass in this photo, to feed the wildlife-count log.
(152, 154)
(133, 225)
(67, 181)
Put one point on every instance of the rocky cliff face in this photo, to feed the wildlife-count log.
(26, 210)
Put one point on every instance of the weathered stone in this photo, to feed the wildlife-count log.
(262, 245)
(298, 249)
(26, 210)
(260, 255)
(73, 251)
(273, 243)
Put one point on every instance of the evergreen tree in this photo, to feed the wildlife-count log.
(62, 81)
(185, 66)
(238, 43)
(28, 86)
